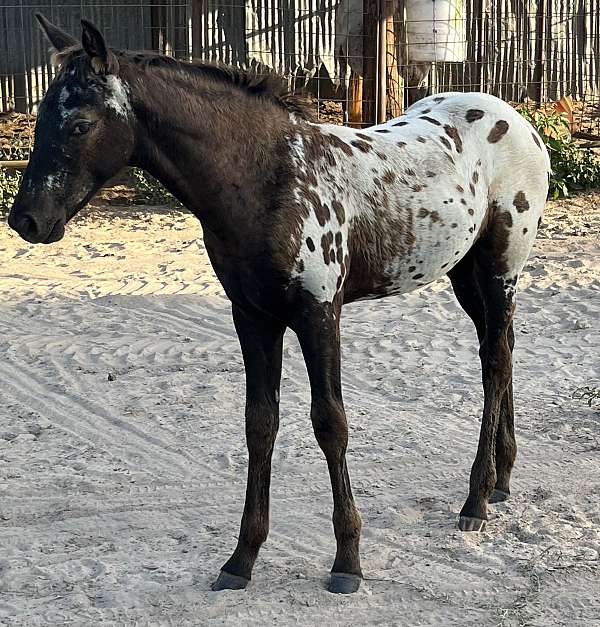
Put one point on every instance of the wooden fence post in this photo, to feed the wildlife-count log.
(355, 100)
(395, 81)
(382, 62)
(196, 28)
(370, 22)
(538, 72)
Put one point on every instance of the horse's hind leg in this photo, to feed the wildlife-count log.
(261, 340)
(483, 294)
(318, 331)
(506, 444)
(467, 291)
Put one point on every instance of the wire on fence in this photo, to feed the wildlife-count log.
(360, 60)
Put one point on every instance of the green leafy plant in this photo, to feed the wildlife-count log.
(11, 179)
(150, 190)
(573, 168)
(9, 186)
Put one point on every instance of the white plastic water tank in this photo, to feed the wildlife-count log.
(435, 30)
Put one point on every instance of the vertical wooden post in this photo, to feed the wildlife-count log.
(20, 93)
(538, 72)
(382, 63)
(478, 27)
(355, 96)
(158, 25)
(6, 102)
(370, 22)
(550, 81)
(395, 82)
(196, 28)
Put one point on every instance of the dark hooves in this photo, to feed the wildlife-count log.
(498, 496)
(344, 583)
(468, 523)
(225, 581)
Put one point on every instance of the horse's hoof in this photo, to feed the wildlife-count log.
(344, 583)
(225, 581)
(468, 523)
(498, 496)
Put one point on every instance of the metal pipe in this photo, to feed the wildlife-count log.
(14, 165)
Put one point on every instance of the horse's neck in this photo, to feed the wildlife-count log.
(211, 155)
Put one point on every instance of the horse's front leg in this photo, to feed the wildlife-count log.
(261, 339)
(317, 327)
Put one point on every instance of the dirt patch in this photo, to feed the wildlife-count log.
(578, 215)
(330, 111)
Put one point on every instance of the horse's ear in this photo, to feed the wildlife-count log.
(102, 59)
(57, 37)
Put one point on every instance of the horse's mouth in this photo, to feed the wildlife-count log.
(57, 233)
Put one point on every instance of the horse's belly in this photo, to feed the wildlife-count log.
(440, 242)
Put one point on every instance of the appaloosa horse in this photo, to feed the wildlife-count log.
(298, 219)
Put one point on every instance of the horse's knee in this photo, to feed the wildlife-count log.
(262, 423)
(329, 424)
(496, 361)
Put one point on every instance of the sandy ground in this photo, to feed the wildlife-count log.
(120, 499)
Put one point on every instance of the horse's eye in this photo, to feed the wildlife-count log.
(81, 128)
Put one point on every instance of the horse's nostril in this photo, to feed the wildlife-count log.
(24, 225)
(28, 225)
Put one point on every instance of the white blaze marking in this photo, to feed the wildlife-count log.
(64, 94)
(118, 96)
(62, 99)
(52, 182)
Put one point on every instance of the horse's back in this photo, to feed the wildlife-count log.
(484, 128)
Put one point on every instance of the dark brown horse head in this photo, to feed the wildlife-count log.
(83, 136)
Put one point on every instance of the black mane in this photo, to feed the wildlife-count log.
(266, 84)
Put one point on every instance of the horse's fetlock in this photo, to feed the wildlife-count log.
(348, 521)
(255, 535)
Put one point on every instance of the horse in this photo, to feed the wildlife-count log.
(300, 218)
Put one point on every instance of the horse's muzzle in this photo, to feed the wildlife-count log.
(34, 233)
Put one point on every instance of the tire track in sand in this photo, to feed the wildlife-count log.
(96, 425)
